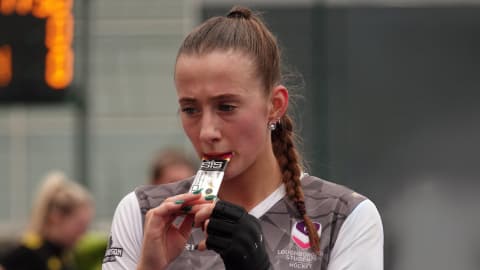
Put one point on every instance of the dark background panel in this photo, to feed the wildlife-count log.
(408, 95)
(25, 35)
(403, 126)
(391, 109)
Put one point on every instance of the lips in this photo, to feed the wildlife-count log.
(225, 155)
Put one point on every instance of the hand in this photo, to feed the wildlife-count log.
(162, 240)
(237, 237)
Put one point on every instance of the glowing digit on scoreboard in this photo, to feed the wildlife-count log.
(5, 65)
(58, 38)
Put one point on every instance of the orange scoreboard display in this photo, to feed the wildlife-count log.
(36, 50)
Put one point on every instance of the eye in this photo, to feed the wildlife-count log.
(226, 107)
(189, 110)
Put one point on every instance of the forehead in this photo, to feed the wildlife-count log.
(215, 70)
(219, 59)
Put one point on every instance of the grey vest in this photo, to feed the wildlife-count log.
(327, 204)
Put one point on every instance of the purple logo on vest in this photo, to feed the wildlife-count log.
(300, 233)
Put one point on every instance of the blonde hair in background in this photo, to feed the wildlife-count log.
(56, 193)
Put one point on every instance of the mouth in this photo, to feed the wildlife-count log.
(218, 156)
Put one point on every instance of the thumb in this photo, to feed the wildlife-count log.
(202, 245)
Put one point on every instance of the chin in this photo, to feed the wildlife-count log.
(233, 171)
(229, 174)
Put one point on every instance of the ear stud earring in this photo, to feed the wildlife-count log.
(272, 125)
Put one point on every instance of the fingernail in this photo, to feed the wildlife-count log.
(210, 197)
(179, 201)
(197, 191)
(187, 208)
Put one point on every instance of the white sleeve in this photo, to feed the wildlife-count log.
(126, 236)
(359, 244)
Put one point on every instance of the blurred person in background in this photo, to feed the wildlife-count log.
(170, 165)
(61, 214)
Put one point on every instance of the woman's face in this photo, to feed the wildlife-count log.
(223, 107)
(70, 228)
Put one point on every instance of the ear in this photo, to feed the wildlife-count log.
(278, 102)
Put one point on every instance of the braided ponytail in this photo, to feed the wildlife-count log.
(289, 162)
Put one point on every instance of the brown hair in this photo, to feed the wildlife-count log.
(244, 31)
(166, 158)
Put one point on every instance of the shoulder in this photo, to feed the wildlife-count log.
(18, 257)
(164, 190)
(126, 233)
(314, 185)
(336, 197)
(150, 196)
(127, 214)
(360, 241)
(128, 203)
(20, 251)
(365, 216)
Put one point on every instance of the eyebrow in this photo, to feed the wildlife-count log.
(215, 98)
(187, 100)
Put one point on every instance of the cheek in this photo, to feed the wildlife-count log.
(249, 135)
(248, 141)
(251, 132)
(192, 132)
(80, 224)
(73, 227)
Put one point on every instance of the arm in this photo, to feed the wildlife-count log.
(126, 236)
(360, 241)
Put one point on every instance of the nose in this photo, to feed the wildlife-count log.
(209, 128)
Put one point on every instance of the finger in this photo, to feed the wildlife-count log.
(202, 245)
(205, 226)
(203, 213)
(164, 213)
(183, 198)
(174, 204)
(189, 208)
(159, 219)
(186, 226)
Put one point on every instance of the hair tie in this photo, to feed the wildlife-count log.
(239, 13)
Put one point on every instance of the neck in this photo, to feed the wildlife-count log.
(255, 183)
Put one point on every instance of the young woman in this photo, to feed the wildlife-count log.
(61, 214)
(270, 215)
